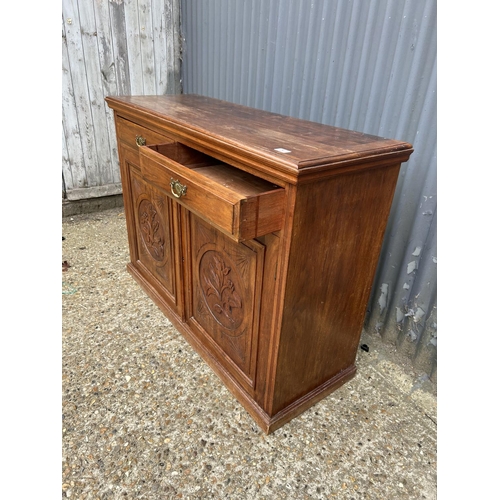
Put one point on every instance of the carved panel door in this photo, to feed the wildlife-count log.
(224, 308)
(155, 220)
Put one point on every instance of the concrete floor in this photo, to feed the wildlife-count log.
(145, 418)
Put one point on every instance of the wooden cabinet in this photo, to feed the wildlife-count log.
(258, 235)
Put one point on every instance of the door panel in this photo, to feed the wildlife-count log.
(224, 307)
(155, 216)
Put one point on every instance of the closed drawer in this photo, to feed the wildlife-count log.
(134, 135)
(238, 203)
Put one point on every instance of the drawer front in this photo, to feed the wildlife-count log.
(133, 134)
(198, 198)
(201, 189)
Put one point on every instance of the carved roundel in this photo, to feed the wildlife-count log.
(221, 288)
(151, 229)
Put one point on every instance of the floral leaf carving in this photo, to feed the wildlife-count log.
(151, 230)
(217, 283)
(234, 300)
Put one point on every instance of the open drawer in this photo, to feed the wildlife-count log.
(238, 203)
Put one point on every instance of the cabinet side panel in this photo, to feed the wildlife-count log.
(337, 235)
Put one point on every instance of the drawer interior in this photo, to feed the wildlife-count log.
(234, 179)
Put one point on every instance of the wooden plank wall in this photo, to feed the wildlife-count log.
(110, 47)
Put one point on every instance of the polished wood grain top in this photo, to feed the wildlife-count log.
(296, 143)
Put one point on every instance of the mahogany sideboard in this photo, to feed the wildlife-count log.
(258, 235)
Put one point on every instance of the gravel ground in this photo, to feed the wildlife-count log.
(145, 418)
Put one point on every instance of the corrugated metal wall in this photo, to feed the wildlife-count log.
(367, 66)
(110, 47)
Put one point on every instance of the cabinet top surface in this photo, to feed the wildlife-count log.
(292, 142)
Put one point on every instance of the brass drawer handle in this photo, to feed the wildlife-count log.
(177, 188)
(140, 141)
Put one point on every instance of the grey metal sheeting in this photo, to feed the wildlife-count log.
(366, 66)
